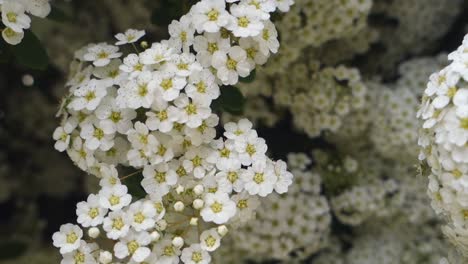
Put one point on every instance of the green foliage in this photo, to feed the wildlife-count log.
(30, 52)
(11, 249)
(231, 100)
(250, 78)
(133, 184)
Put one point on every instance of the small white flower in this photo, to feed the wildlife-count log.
(168, 84)
(260, 178)
(218, 208)
(231, 65)
(62, 136)
(247, 21)
(285, 178)
(113, 118)
(166, 252)
(210, 16)
(90, 213)
(195, 255)
(202, 87)
(133, 65)
(225, 157)
(83, 254)
(157, 54)
(246, 205)
(210, 240)
(137, 93)
(101, 54)
(134, 245)
(39, 8)
(192, 113)
(230, 180)
(130, 36)
(158, 179)
(239, 131)
(195, 161)
(116, 224)
(252, 149)
(143, 214)
(12, 37)
(207, 44)
(68, 238)
(14, 17)
(160, 118)
(111, 72)
(115, 197)
(89, 95)
(96, 136)
(182, 33)
(268, 39)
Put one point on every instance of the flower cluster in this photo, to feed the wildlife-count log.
(287, 227)
(443, 140)
(15, 17)
(151, 111)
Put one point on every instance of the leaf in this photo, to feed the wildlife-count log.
(133, 184)
(231, 100)
(31, 53)
(10, 249)
(250, 78)
(58, 15)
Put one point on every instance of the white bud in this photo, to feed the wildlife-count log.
(198, 204)
(179, 206)
(222, 230)
(155, 236)
(93, 232)
(178, 242)
(161, 225)
(105, 257)
(180, 189)
(198, 189)
(194, 221)
(28, 80)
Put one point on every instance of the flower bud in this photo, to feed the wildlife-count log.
(155, 236)
(178, 242)
(194, 221)
(105, 257)
(222, 230)
(198, 204)
(180, 189)
(198, 190)
(161, 225)
(93, 232)
(179, 206)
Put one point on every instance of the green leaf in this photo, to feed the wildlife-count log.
(31, 53)
(58, 15)
(133, 184)
(10, 249)
(250, 78)
(231, 100)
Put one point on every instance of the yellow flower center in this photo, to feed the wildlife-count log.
(452, 91)
(191, 109)
(162, 150)
(166, 84)
(250, 149)
(11, 17)
(242, 204)
(142, 90)
(160, 177)
(464, 123)
(258, 178)
(103, 55)
(231, 64)
(98, 133)
(114, 200)
(90, 96)
(71, 238)
(115, 117)
(162, 115)
(139, 218)
(201, 87)
(79, 258)
(183, 36)
(118, 224)
(232, 176)
(212, 47)
(169, 251)
(197, 257)
(210, 241)
(243, 22)
(266, 34)
(93, 213)
(216, 207)
(213, 15)
(225, 153)
(132, 247)
(197, 161)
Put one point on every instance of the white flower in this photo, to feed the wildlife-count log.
(12, 37)
(231, 65)
(268, 39)
(202, 87)
(115, 197)
(207, 44)
(254, 54)
(89, 95)
(80, 154)
(239, 131)
(160, 118)
(130, 36)
(158, 53)
(90, 213)
(225, 157)
(68, 238)
(143, 214)
(62, 136)
(210, 16)
(210, 240)
(141, 138)
(230, 180)
(134, 245)
(168, 84)
(191, 113)
(246, 206)
(111, 72)
(166, 252)
(260, 178)
(218, 208)
(247, 21)
(285, 178)
(101, 54)
(133, 65)
(96, 136)
(251, 149)
(195, 161)
(284, 5)
(109, 176)
(183, 65)
(13, 16)
(182, 33)
(158, 179)
(39, 8)
(113, 118)
(195, 255)
(81, 255)
(137, 93)
(116, 224)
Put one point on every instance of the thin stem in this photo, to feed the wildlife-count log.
(130, 175)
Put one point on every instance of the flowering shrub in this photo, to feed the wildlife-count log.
(151, 111)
